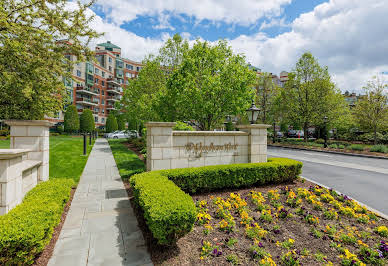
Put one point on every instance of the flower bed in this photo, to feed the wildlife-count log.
(295, 224)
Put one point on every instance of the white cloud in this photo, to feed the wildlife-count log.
(275, 22)
(244, 12)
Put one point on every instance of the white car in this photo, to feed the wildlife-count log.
(118, 135)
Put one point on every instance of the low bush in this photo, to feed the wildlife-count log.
(379, 148)
(333, 146)
(170, 212)
(28, 228)
(320, 141)
(181, 126)
(356, 147)
(341, 146)
(4, 132)
(214, 177)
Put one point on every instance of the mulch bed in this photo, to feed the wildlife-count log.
(365, 152)
(135, 150)
(45, 256)
(322, 249)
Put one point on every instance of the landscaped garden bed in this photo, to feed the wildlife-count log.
(297, 223)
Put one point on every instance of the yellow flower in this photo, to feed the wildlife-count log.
(291, 240)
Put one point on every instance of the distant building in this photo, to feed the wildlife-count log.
(352, 98)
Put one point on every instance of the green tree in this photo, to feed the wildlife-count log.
(71, 119)
(371, 111)
(266, 95)
(211, 83)
(87, 121)
(310, 95)
(120, 122)
(111, 124)
(32, 59)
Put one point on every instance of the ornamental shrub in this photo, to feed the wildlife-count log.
(28, 228)
(111, 124)
(356, 147)
(379, 148)
(87, 121)
(170, 212)
(71, 119)
(333, 146)
(120, 123)
(182, 126)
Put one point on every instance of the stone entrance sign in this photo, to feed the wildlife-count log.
(168, 149)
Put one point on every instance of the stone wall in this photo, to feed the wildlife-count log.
(168, 149)
(25, 164)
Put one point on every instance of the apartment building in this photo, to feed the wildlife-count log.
(99, 85)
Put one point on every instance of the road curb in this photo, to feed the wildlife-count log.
(334, 152)
(380, 214)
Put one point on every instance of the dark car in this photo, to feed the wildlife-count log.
(295, 133)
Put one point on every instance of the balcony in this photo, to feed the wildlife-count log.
(85, 101)
(113, 98)
(114, 90)
(93, 111)
(110, 107)
(85, 90)
(113, 82)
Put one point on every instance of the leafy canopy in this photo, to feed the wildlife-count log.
(32, 59)
(87, 121)
(111, 124)
(71, 119)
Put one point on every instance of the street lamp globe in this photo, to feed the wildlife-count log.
(253, 113)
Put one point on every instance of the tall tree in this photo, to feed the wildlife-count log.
(32, 59)
(111, 124)
(266, 93)
(371, 111)
(87, 121)
(120, 122)
(211, 83)
(71, 119)
(309, 94)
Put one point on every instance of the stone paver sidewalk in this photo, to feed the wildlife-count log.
(100, 228)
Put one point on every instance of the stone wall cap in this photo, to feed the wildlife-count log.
(15, 122)
(255, 126)
(12, 153)
(160, 124)
(209, 133)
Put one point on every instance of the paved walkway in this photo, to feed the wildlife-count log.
(100, 228)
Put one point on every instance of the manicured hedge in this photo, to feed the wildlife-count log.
(28, 228)
(170, 213)
(210, 178)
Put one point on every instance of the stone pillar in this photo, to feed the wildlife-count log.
(32, 135)
(159, 145)
(11, 179)
(257, 142)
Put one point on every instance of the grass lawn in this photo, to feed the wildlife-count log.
(127, 161)
(66, 159)
(288, 224)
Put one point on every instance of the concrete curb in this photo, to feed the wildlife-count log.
(334, 152)
(380, 214)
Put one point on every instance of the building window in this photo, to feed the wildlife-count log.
(103, 83)
(103, 74)
(96, 80)
(78, 73)
(102, 102)
(110, 59)
(137, 69)
(130, 67)
(103, 92)
(103, 120)
(96, 70)
(95, 119)
(110, 68)
(103, 111)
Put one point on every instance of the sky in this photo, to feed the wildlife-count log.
(350, 37)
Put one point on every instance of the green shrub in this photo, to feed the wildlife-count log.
(320, 141)
(4, 132)
(356, 147)
(182, 126)
(333, 146)
(341, 146)
(379, 148)
(86, 121)
(71, 119)
(111, 124)
(54, 134)
(317, 145)
(28, 228)
(169, 212)
(214, 177)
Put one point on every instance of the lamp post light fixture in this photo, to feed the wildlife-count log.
(325, 121)
(253, 113)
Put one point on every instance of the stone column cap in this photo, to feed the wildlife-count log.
(254, 126)
(15, 122)
(160, 124)
(12, 153)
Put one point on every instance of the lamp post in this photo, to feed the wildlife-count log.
(325, 121)
(274, 132)
(227, 123)
(253, 112)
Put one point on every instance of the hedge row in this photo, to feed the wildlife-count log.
(170, 213)
(28, 228)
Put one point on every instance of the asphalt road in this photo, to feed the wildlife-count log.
(364, 179)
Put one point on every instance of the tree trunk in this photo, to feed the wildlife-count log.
(305, 128)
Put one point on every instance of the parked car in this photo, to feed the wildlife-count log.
(133, 134)
(106, 135)
(118, 135)
(279, 134)
(295, 133)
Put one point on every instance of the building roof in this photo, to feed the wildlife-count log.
(108, 44)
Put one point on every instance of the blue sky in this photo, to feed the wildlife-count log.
(347, 36)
